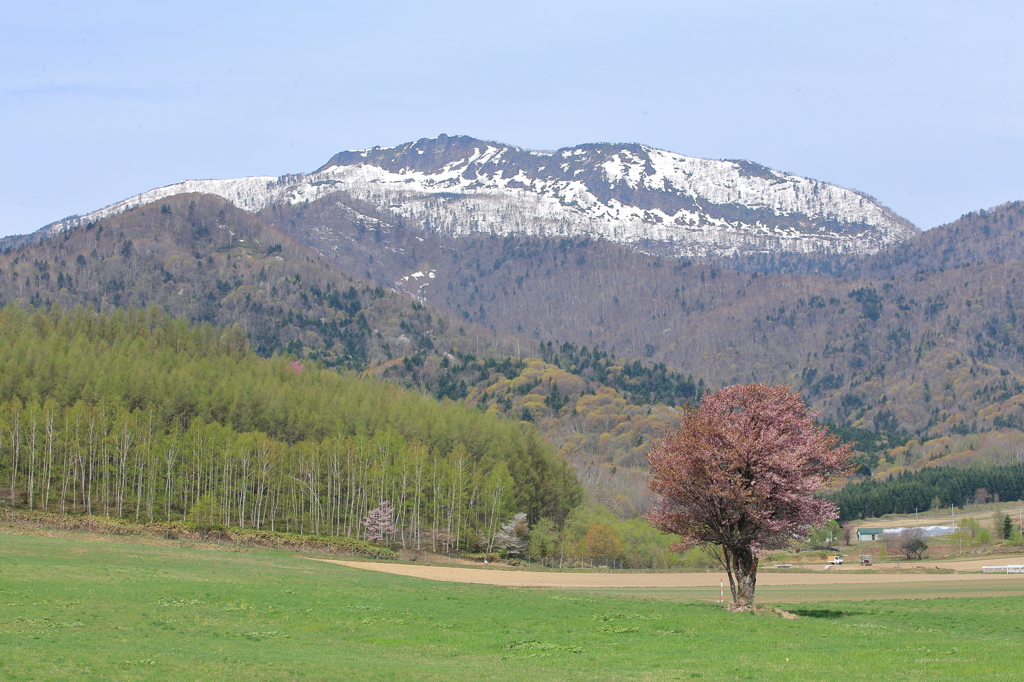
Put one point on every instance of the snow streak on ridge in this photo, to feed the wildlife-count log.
(624, 193)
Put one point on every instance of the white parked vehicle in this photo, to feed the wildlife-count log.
(835, 560)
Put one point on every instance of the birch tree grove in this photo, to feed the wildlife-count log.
(116, 468)
(138, 416)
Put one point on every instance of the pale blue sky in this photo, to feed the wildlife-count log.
(918, 103)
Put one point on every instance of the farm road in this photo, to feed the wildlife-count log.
(621, 580)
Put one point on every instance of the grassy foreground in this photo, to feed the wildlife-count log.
(87, 609)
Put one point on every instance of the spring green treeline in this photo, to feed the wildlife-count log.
(137, 415)
(929, 488)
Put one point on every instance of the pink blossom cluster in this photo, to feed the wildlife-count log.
(743, 469)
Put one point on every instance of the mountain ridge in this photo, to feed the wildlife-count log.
(650, 199)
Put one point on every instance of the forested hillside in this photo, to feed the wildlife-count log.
(931, 488)
(200, 258)
(928, 353)
(977, 237)
(596, 409)
(134, 414)
(921, 345)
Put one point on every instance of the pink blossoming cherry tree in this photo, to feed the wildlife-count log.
(379, 523)
(741, 473)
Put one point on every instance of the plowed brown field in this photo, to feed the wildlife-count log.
(620, 580)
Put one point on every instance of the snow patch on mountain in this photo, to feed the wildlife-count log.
(251, 194)
(624, 193)
(411, 285)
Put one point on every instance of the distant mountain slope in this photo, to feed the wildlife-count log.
(986, 235)
(886, 328)
(929, 351)
(653, 200)
(977, 237)
(919, 348)
(201, 258)
(922, 338)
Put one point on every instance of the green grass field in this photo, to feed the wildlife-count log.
(76, 608)
(799, 596)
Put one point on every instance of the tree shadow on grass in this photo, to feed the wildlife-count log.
(822, 613)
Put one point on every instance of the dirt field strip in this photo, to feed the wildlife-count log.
(587, 581)
(976, 564)
(954, 564)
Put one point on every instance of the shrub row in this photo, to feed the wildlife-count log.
(318, 544)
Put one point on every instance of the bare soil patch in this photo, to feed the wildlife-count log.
(617, 580)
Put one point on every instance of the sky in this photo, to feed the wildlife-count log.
(919, 103)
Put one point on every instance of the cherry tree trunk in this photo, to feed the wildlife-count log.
(746, 578)
(741, 565)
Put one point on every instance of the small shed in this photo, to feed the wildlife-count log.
(867, 534)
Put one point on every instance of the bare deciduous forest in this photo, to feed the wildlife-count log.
(923, 338)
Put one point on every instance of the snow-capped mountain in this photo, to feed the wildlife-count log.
(627, 193)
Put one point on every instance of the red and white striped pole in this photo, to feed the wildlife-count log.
(721, 591)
